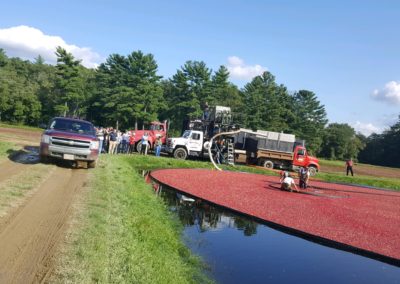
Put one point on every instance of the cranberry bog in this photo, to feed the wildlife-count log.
(362, 220)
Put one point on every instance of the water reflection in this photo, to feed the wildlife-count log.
(238, 249)
(196, 212)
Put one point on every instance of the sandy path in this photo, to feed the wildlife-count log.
(28, 240)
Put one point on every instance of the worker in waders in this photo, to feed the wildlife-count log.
(287, 183)
(304, 176)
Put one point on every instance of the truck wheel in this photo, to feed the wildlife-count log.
(313, 170)
(91, 164)
(268, 164)
(180, 154)
(139, 146)
(44, 159)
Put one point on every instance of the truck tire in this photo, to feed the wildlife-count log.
(44, 159)
(313, 170)
(139, 146)
(268, 164)
(180, 153)
(91, 164)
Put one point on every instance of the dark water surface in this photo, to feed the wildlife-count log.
(238, 249)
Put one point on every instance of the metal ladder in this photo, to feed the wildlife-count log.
(231, 157)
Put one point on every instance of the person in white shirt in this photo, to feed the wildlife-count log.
(145, 143)
(288, 183)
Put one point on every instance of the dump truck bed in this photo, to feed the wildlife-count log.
(270, 154)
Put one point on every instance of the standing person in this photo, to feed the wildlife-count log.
(125, 142)
(106, 140)
(349, 167)
(304, 176)
(288, 183)
(132, 142)
(113, 141)
(158, 144)
(100, 136)
(119, 139)
(145, 144)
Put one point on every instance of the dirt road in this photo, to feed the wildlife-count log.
(31, 233)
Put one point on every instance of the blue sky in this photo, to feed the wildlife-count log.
(347, 52)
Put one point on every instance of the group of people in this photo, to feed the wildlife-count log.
(113, 141)
(288, 183)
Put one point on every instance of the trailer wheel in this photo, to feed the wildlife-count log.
(268, 164)
(313, 170)
(180, 153)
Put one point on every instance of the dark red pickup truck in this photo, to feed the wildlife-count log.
(70, 139)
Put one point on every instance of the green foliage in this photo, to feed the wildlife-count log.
(18, 92)
(340, 142)
(309, 119)
(129, 90)
(383, 149)
(69, 91)
(267, 104)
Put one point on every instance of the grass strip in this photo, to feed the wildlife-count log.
(127, 234)
(20, 126)
(15, 189)
(387, 183)
(5, 149)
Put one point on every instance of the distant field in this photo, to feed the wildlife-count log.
(337, 167)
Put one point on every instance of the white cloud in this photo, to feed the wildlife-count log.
(366, 128)
(28, 42)
(390, 93)
(239, 70)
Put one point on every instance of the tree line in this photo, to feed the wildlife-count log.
(127, 91)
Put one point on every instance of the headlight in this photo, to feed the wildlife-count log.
(45, 139)
(94, 145)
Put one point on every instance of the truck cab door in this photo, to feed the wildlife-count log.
(196, 141)
(300, 156)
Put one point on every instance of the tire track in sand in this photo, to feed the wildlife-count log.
(29, 240)
(10, 168)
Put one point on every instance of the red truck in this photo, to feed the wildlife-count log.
(274, 150)
(70, 139)
(156, 129)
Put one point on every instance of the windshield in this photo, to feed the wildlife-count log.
(72, 126)
(186, 134)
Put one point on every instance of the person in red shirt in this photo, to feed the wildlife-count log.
(349, 167)
(131, 143)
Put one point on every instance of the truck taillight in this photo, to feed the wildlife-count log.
(94, 145)
(45, 139)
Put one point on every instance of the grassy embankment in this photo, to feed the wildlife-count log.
(126, 235)
(380, 182)
(16, 188)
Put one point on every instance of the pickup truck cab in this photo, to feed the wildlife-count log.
(69, 139)
(288, 160)
(190, 144)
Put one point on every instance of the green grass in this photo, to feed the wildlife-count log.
(127, 234)
(381, 182)
(341, 164)
(15, 189)
(19, 126)
(6, 149)
(388, 183)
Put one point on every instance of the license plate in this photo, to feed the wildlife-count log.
(68, 157)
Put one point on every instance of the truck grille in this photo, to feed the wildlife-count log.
(65, 142)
